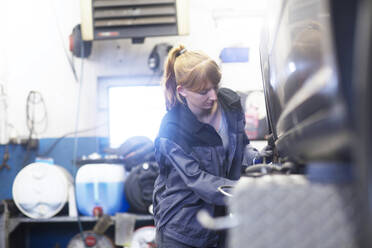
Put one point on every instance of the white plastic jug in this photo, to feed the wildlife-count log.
(41, 190)
(101, 186)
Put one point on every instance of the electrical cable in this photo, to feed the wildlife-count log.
(74, 156)
(34, 98)
(69, 59)
(80, 81)
(53, 146)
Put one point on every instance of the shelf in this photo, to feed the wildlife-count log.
(124, 221)
(74, 219)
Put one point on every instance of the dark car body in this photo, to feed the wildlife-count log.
(316, 66)
(306, 89)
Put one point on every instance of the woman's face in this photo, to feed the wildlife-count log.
(203, 100)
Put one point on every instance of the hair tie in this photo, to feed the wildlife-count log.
(181, 52)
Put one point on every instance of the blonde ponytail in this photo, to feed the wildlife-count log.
(170, 81)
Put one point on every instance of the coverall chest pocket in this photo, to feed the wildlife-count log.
(204, 155)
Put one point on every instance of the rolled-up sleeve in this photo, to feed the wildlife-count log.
(204, 184)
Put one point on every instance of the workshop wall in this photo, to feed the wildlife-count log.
(34, 56)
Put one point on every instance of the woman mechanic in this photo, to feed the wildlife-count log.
(200, 146)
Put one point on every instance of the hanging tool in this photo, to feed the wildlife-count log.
(5, 159)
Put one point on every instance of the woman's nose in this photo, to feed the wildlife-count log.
(212, 94)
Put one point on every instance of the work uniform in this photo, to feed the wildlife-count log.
(193, 164)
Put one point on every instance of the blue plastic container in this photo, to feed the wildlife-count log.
(101, 186)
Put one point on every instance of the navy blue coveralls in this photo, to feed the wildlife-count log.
(193, 164)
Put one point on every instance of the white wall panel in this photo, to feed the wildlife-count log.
(34, 35)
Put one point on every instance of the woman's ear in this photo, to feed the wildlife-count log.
(181, 91)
